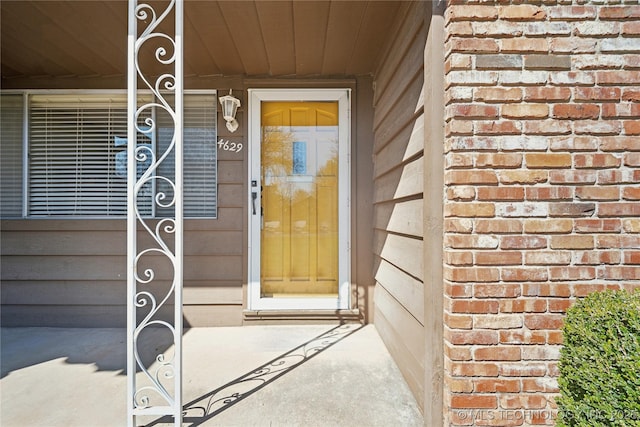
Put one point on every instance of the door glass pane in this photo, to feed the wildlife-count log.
(299, 172)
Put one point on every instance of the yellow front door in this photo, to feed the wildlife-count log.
(299, 176)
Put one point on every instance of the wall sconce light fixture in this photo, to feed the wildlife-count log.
(230, 106)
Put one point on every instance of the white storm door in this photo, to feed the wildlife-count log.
(299, 199)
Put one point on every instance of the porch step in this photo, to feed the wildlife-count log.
(302, 316)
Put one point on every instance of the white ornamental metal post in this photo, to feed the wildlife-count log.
(157, 389)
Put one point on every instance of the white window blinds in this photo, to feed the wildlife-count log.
(200, 156)
(72, 155)
(77, 152)
(12, 125)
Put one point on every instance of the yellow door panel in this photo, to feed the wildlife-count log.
(299, 162)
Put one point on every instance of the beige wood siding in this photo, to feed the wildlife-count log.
(73, 272)
(398, 196)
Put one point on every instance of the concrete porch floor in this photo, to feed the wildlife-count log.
(317, 375)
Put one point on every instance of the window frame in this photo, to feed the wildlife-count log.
(26, 143)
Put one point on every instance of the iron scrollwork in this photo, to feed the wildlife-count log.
(155, 276)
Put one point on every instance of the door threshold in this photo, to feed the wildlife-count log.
(302, 316)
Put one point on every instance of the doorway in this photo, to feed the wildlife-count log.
(299, 199)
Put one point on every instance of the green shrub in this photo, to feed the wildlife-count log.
(600, 362)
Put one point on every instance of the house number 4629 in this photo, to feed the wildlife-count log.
(229, 146)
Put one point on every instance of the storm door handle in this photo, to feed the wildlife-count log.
(254, 196)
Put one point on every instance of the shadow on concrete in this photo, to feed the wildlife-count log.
(207, 406)
(105, 348)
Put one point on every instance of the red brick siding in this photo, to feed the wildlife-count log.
(542, 187)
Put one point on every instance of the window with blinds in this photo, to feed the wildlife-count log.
(11, 167)
(78, 156)
(200, 159)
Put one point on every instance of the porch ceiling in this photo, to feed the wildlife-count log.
(73, 38)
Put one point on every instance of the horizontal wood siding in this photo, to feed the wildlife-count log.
(56, 272)
(398, 196)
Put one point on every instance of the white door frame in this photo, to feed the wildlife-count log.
(343, 97)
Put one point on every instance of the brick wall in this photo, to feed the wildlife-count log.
(542, 186)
